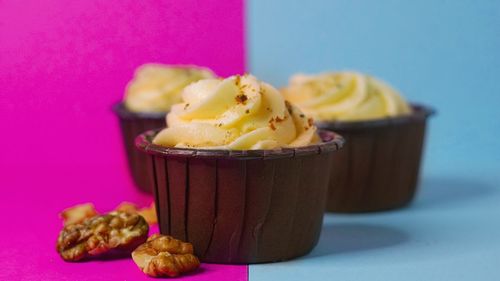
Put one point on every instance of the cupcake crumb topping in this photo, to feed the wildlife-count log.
(241, 99)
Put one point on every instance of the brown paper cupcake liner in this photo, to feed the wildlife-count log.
(378, 169)
(133, 124)
(240, 207)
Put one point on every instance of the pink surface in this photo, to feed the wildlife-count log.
(62, 65)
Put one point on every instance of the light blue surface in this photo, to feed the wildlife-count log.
(443, 53)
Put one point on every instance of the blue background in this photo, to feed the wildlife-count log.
(442, 53)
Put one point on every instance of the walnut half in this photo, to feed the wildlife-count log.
(78, 213)
(148, 213)
(100, 234)
(165, 256)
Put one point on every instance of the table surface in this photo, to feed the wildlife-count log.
(34, 196)
(451, 232)
(443, 53)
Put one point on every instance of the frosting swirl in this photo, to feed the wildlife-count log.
(156, 87)
(236, 113)
(346, 96)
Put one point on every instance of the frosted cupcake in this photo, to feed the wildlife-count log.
(240, 173)
(379, 167)
(148, 97)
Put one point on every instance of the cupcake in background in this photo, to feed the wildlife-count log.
(148, 97)
(379, 167)
(240, 173)
(156, 87)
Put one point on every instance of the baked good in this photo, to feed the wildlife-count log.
(240, 173)
(148, 97)
(379, 167)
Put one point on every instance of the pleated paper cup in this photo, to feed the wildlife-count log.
(379, 167)
(240, 207)
(133, 124)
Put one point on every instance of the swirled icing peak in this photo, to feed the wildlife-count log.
(346, 96)
(237, 113)
(156, 87)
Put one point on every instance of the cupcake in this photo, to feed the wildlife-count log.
(379, 167)
(240, 173)
(148, 97)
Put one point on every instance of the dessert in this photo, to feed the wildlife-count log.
(149, 95)
(379, 167)
(345, 96)
(165, 256)
(240, 173)
(236, 113)
(156, 87)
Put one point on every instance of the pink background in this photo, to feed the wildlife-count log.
(62, 65)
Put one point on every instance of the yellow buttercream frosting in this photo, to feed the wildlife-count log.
(345, 96)
(237, 113)
(156, 87)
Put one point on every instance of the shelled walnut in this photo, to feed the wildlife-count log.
(148, 213)
(100, 234)
(165, 256)
(127, 207)
(78, 213)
